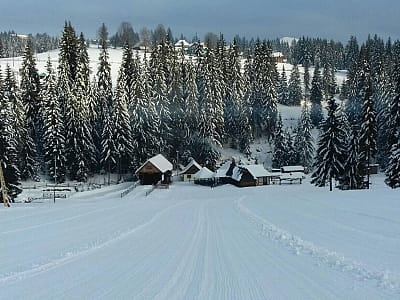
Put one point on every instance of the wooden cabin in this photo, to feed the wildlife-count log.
(251, 175)
(154, 170)
(188, 172)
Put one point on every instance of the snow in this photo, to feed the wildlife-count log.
(193, 242)
(204, 173)
(160, 162)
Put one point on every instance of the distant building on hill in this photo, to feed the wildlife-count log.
(278, 57)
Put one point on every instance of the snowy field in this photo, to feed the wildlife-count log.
(193, 242)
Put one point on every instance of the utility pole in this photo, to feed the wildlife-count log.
(177, 162)
(55, 179)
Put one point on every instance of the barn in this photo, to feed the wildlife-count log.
(251, 175)
(155, 169)
(192, 168)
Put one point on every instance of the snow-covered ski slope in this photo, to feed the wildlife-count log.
(193, 242)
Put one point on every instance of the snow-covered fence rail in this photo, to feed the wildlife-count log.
(130, 189)
(152, 188)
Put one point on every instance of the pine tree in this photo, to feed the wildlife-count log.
(329, 161)
(211, 104)
(283, 88)
(30, 89)
(123, 130)
(353, 168)
(109, 152)
(294, 88)
(279, 158)
(304, 139)
(9, 136)
(67, 64)
(393, 167)
(357, 88)
(235, 118)
(145, 122)
(263, 96)
(54, 133)
(191, 98)
(307, 78)
(316, 97)
(369, 130)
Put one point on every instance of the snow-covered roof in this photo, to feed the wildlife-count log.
(182, 42)
(286, 169)
(192, 163)
(255, 170)
(204, 173)
(160, 162)
(221, 172)
(277, 54)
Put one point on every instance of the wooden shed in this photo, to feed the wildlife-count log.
(155, 169)
(251, 175)
(192, 168)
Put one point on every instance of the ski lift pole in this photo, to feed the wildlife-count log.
(6, 201)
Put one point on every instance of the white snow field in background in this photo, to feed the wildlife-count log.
(194, 242)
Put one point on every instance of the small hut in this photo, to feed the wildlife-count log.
(204, 177)
(251, 175)
(192, 168)
(154, 170)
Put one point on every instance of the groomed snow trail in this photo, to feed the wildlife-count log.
(193, 242)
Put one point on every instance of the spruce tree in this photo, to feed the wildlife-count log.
(393, 167)
(369, 130)
(316, 97)
(54, 132)
(283, 88)
(9, 136)
(30, 89)
(294, 88)
(123, 131)
(145, 122)
(304, 140)
(354, 167)
(279, 158)
(330, 158)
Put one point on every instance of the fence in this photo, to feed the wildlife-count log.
(130, 189)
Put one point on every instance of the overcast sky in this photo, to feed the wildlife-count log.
(263, 18)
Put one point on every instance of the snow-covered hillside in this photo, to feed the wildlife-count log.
(193, 242)
(115, 57)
